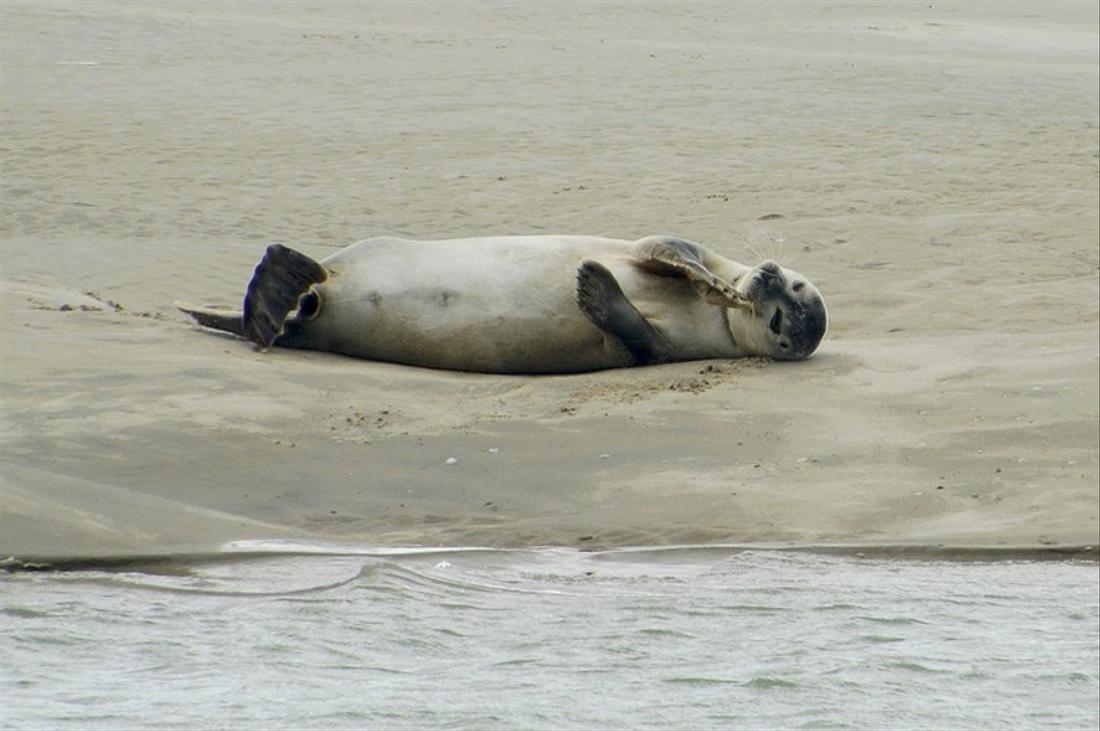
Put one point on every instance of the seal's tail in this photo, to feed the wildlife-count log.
(280, 280)
(228, 320)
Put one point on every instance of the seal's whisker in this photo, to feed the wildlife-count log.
(759, 243)
(750, 243)
(763, 245)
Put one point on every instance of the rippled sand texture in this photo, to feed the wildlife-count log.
(932, 169)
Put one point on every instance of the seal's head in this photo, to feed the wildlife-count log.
(788, 318)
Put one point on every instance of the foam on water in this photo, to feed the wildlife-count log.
(342, 636)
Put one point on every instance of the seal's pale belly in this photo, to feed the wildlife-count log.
(501, 304)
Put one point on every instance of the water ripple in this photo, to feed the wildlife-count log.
(532, 640)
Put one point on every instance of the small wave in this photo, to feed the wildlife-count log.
(834, 607)
(659, 632)
(409, 577)
(1072, 677)
(758, 608)
(448, 632)
(48, 639)
(765, 681)
(214, 586)
(693, 680)
(23, 612)
(893, 620)
(881, 639)
(459, 606)
(975, 675)
(516, 662)
(915, 666)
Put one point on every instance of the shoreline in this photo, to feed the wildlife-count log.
(177, 562)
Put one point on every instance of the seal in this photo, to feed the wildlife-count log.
(526, 304)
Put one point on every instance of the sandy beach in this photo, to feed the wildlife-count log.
(933, 168)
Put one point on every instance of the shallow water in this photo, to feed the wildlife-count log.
(712, 638)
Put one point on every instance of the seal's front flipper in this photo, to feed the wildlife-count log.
(668, 256)
(602, 300)
(281, 278)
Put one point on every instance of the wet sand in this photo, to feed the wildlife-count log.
(932, 169)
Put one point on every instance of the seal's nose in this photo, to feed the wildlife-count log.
(767, 273)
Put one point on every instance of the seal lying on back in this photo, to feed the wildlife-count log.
(526, 304)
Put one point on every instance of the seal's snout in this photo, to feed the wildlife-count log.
(768, 272)
(765, 278)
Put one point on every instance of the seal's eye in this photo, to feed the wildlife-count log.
(797, 286)
(782, 345)
(777, 321)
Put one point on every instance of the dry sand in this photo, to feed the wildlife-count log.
(932, 167)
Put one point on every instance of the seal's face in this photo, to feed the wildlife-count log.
(789, 317)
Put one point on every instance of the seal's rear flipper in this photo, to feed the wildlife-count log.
(227, 320)
(603, 301)
(281, 278)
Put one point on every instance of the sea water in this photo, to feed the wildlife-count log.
(679, 638)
